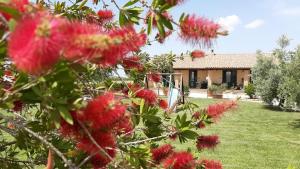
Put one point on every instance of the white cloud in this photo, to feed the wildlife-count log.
(229, 22)
(255, 24)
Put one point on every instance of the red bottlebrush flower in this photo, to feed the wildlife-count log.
(17, 105)
(197, 54)
(132, 62)
(105, 15)
(201, 125)
(196, 115)
(106, 141)
(180, 160)
(86, 42)
(68, 130)
(124, 126)
(161, 153)
(148, 95)
(163, 104)
(174, 2)
(211, 164)
(207, 142)
(155, 77)
(103, 112)
(123, 41)
(198, 30)
(213, 111)
(36, 42)
(16, 4)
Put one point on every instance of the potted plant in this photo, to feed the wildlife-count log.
(216, 91)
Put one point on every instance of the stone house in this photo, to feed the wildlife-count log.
(231, 69)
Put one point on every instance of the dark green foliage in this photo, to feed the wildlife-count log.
(250, 90)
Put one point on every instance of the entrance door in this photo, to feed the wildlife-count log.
(230, 77)
(193, 78)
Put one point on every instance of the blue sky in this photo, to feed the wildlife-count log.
(253, 24)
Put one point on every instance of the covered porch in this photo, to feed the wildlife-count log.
(203, 78)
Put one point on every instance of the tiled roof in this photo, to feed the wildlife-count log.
(217, 61)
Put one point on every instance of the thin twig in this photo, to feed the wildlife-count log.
(94, 141)
(148, 139)
(43, 140)
(38, 137)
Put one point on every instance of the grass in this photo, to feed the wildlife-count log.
(254, 137)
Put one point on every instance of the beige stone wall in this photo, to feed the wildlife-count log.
(214, 76)
(243, 75)
(185, 74)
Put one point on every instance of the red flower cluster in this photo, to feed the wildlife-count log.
(155, 77)
(199, 30)
(216, 110)
(105, 15)
(197, 54)
(124, 126)
(102, 112)
(163, 104)
(39, 40)
(148, 95)
(102, 117)
(207, 142)
(19, 5)
(106, 141)
(211, 164)
(132, 62)
(35, 44)
(161, 153)
(180, 160)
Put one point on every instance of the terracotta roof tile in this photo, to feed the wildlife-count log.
(217, 61)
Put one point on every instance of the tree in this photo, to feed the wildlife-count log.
(277, 76)
(266, 77)
(60, 103)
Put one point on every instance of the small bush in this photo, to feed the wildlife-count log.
(250, 90)
(186, 90)
(217, 89)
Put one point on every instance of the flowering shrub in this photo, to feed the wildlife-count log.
(62, 104)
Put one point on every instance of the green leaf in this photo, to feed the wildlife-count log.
(122, 19)
(149, 22)
(82, 4)
(131, 2)
(9, 10)
(142, 103)
(135, 10)
(65, 114)
(181, 17)
(11, 25)
(166, 22)
(160, 27)
(189, 134)
(165, 7)
(134, 19)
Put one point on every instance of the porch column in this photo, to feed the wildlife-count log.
(209, 79)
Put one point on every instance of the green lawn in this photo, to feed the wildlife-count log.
(254, 137)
